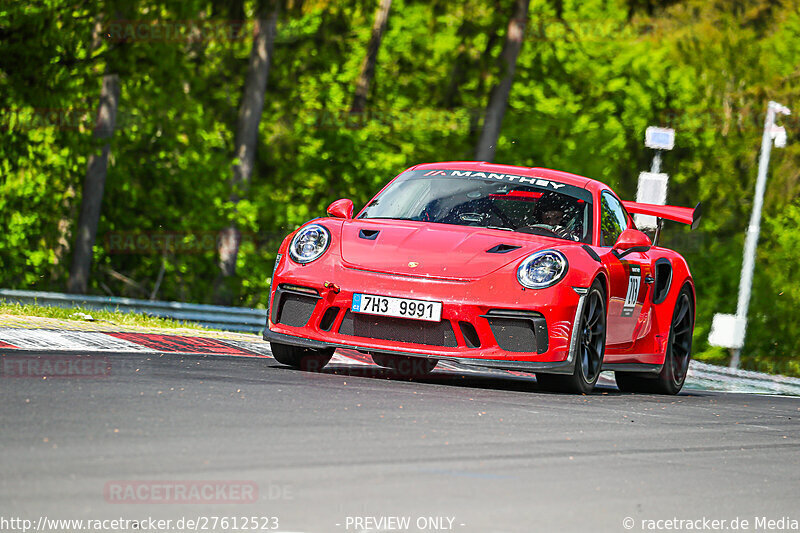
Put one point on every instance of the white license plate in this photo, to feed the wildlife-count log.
(372, 304)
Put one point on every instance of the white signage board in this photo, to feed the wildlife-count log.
(659, 138)
(652, 189)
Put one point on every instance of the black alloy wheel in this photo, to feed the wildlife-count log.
(676, 361)
(591, 346)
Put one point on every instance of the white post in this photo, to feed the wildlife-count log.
(655, 166)
(751, 239)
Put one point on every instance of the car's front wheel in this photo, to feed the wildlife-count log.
(589, 351)
(405, 366)
(302, 358)
(676, 362)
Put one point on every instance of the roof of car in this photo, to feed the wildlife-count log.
(545, 173)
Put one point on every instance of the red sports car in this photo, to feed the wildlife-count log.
(491, 266)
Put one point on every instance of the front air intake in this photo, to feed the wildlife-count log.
(293, 306)
(518, 331)
(328, 318)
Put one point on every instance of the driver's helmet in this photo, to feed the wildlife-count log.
(551, 201)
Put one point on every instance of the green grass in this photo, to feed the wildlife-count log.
(113, 317)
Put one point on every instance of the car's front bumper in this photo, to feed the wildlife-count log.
(557, 367)
(492, 322)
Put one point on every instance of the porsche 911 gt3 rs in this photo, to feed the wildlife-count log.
(493, 266)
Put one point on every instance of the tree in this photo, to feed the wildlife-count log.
(368, 66)
(498, 99)
(93, 187)
(248, 120)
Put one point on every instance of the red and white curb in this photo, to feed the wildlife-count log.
(95, 341)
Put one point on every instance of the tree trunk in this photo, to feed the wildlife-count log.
(93, 187)
(368, 66)
(451, 97)
(246, 142)
(62, 247)
(498, 99)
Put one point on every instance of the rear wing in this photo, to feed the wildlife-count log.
(684, 215)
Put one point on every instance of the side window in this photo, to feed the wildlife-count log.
(613, 219)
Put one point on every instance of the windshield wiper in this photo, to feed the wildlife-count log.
(451, 223)
(500, 227)
(386, 218)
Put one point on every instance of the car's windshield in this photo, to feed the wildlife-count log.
(499, 201)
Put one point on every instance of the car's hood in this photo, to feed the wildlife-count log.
(432, 250)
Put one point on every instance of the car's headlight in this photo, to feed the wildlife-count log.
(542, 269)
(309, 243)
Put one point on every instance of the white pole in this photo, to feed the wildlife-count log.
(751, 240)
(655, 167)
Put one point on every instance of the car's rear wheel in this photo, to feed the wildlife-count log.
(676, 362)
(404, 365)
(302, 358)
(589, 351)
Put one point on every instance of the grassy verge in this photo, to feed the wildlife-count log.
(79, 314)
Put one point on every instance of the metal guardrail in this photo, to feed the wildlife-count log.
(713, 377)
(212, 316)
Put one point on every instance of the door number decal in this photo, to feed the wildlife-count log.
(634, 284)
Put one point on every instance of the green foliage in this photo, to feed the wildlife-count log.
(104, 317)
(591, 77)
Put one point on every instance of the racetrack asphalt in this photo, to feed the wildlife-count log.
(491, 452)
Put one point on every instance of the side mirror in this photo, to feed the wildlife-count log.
(341, 209)
(631, 240)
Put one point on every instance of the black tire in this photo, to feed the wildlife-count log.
(679, 352)
(590, 350)
(404, 365)
(302, 358)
